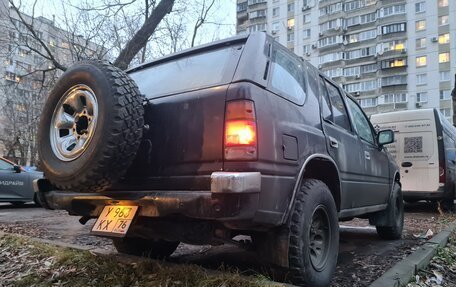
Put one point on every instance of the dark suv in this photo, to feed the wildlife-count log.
(236, 137)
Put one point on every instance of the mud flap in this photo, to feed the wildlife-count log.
(386, 217)
(273, 246)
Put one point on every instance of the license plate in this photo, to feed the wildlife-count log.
(114, 220)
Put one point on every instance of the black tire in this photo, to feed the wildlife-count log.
(395, 209)
(37, 201)
(313, 206)
(151, 248)
(117, 131)
(447, 204)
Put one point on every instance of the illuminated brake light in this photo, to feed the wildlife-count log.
(240, 131)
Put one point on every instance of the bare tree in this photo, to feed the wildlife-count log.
(202, 16)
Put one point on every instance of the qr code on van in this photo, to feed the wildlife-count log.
(413, 145)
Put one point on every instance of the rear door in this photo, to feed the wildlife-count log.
(415, 150)
(343, 145)
(377, 185)
(13, 185)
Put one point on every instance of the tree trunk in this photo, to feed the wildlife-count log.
(139, 40)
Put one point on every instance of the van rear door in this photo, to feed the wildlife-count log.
(416, 152)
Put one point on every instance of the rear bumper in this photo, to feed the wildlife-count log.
(413, 195)
(233, 197)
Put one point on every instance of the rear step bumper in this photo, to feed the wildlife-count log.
(233, 196)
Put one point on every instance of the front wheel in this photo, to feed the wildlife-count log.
(314, 235)
(152, 248)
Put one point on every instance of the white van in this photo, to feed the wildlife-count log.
(425, 150)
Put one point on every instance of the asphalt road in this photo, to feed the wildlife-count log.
(362, 257)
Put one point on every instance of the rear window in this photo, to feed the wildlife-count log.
(287, 77)
(188, 73)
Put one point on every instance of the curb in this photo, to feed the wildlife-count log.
(400, 274)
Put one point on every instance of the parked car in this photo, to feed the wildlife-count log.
(16, 184)
(239, 136)
(425, 149)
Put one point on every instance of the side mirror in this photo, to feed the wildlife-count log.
(17, 168)
(385, 137)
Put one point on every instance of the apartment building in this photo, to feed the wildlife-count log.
(390, 54)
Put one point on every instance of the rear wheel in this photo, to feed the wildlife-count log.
(91, 127)
(153, 248)
(314, 235)
(395, 211)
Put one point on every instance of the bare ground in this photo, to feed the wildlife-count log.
(363, 257)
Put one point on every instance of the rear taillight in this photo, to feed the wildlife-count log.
(442, 174)
(240, 131)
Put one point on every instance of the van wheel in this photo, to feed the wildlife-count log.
(447, 205)
(90, 128)
(395, 212)
(152, 248)
(314, 235)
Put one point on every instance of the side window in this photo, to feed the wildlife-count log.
(360, 122)
(5, 165)
(338, 107)
(288, 77)
(325, 103)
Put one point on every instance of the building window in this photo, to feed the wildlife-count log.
(276, 12)
(444, 38)
(420, 25)
(394, 80)
(443, 3)
(393, 28)
(331, 9)
(351, 71)
(445, 94)
(306, 34)
(290, 7)
(421, 97)
(306, 49)
(353, 5)
(421, 43)
(368, 103)
(421, 61)
(394, 98)
(421, 79)
(306, 18)
(444, 76)
(328, 41)
(443, 20)
(394, 63)
(392, 10)
(334, 73)
(290, 37)
(444, 57)
(446, 112)
(257, 14)
(241, 7)
(369, 68)
(420, 7)
(257, 27)
(290, 24)
(275, 27)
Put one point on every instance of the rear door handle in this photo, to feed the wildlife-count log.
(333, 142)
(367, 155)
(406, 164)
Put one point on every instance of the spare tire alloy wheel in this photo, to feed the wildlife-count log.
(73, 122)
(91, 127)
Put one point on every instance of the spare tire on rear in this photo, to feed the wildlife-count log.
(91, 127)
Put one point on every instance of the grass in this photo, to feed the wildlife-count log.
(39, 264)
